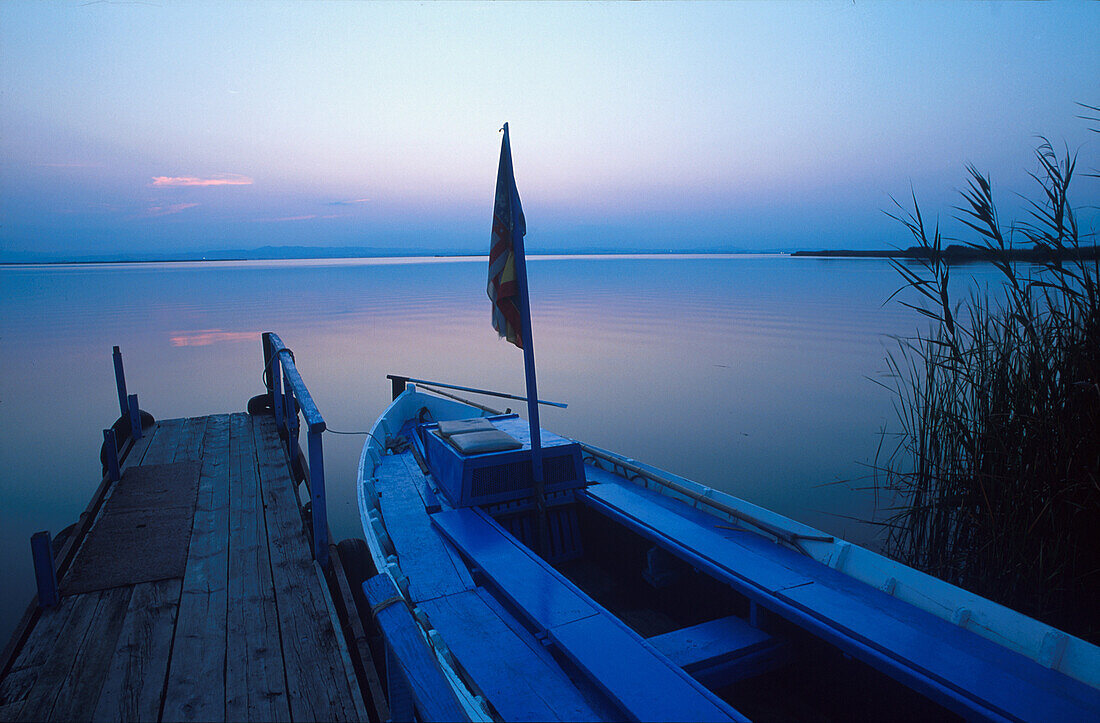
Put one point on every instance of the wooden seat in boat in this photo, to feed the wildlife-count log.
(639, 679)
(722, 651)
(946, 662)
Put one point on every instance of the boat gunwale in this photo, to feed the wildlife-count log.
(1040, 642)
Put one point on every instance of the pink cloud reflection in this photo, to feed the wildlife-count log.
(206, 337)
(223, 179)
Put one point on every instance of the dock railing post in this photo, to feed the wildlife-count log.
(291, 428)
(120, 381)
(317, 496)
(268, 353)
(135, 418)
(45, 570)
(290, 397)
(112, 454)
(277, 393)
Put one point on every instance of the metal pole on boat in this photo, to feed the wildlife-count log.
(532, 391)
(516, 228)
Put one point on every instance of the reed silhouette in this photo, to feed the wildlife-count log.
(994, 480)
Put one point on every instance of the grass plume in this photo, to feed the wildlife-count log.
(996, 471)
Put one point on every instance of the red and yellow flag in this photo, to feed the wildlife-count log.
(508, 228)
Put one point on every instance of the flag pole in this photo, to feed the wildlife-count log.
(528, 348)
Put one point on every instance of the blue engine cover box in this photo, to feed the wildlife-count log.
(484, 479)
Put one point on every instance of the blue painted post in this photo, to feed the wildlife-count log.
(317, 494)
(120, 382)
(269, 353)
(45, 570)
(291, 426)
(135, 418)
(277, 392)
(112, 454)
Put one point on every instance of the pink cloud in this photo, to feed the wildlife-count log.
(222, 179)
(211, 336)
(292, 218)
(154, 211)
(68, 165)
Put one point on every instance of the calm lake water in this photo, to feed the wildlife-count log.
(751, 374)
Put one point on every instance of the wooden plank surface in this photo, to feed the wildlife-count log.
(134, 685)
(27, 624)
(162, 448)
(909, 642)
(709, 641)
(534, 588)
(190, 441)
(420, 550)
(59, 657)
(513, 670)
(317, 684)
(643, 684)
(195, 690)
(79, 693)
(36, 652)
(255, 688)
(251, 612)
(435, 701)
(699, 532)
(357, 641)
(77, 663)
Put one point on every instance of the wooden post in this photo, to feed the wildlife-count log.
(398, 385)
(269, 377)
(135, 418)
(276, 368)
(112, 454)
(291, 426)
(317, 495)
(120, 381)
(45, 570)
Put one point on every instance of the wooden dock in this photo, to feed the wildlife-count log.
(189, 592)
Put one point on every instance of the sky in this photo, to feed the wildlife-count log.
(171, 127)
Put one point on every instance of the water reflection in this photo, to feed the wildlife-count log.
(748, 374)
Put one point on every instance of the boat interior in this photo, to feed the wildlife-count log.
(604, 597)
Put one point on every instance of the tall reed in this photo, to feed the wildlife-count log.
(996, 474)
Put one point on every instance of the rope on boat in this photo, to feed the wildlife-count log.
(379, 607)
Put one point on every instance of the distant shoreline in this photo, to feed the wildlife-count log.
(960, 254)
(301, 255)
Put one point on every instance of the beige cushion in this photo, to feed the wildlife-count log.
(481, 442)
(461, 426)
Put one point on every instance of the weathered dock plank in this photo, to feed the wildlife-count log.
(195, 689)
(162, 448)
(34, 655)
(255, 688)
(316, 683)
(191, 437)
(64, 557)
(78, 640)
(79, 693)
(244, 629)
(134, 686)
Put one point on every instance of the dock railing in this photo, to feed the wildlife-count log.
(289, 395)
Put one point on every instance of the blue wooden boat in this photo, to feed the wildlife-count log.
(624, 592)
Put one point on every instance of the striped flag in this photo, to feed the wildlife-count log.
(507, 240)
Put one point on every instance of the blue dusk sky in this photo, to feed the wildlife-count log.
(173, 127)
